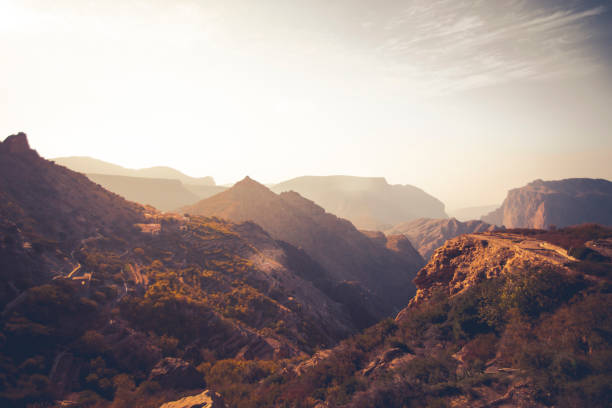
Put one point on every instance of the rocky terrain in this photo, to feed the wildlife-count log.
(369, 203)
(542, 204)
(107, 303)
(428, 234)
(500, 319)
(346, 254)
(104, 299)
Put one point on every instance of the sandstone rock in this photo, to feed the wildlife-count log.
(207, 399)
(541, 204)
(176, 373)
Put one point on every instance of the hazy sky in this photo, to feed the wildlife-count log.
(464, 99)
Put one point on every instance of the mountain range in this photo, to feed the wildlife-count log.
(347, 254)
(89, 165)
(251, 298)
(370, 203)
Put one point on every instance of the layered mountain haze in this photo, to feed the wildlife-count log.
(163, 194)
(471, 213)
(541, 204)
(346, 253)
(164, 188)
(370, 203)
(89, 165)
(427, 235)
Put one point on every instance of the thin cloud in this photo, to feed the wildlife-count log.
(448, 46)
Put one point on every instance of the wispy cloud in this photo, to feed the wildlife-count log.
(446, 46)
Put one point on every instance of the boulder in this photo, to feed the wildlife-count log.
(176, 373)
(207, 399)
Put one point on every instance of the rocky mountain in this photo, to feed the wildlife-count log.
(89, 165)
(369, 203)
(541, 204)
(346, 254)
(428, 234)
(106, 300)
(500, 319)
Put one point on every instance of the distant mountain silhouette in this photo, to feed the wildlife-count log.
(541, 204)
(471, 213)
(346, 253)
(370, 203)
(428, 234)
(89, 165)
(163, 194)
(161, 187)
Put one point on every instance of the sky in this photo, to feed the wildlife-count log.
(464, 99)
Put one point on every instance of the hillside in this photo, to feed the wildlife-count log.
(346, 254)
(541, 204)
(427, 235)
(89, 165)
(369, 203)
(103, 299)
(500, 319)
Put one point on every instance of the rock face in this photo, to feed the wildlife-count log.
(472, 258)
(542, 204)
(344, 252)
(177, 374)
(16, 144)
(370, 203)
(428, 234)
(207, 399)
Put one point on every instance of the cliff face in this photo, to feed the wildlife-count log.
(429, 234)
(541, 204)
(370, 203)
(346, 253)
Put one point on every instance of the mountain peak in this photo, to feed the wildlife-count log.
(17, 143)
(249, 183)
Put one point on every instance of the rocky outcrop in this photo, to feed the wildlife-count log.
(344, 252)
(368, 202)
(207, 399)
(16, 144)
(470, 259)
(542, 204)
(428, 234)
(177, 374)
